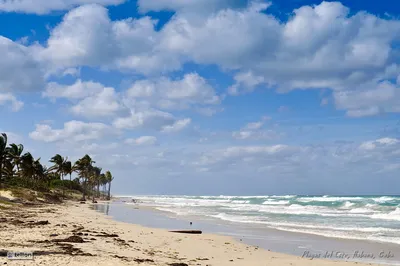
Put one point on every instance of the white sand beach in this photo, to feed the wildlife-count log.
(109, 242)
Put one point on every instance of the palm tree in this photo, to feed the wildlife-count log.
(8, 169)
(59, 167)
(39, 170)
(14, 153)
(84, 168)
(68, 169)
(3, 152)
(27, 169)
(109, 179)
(95, 179)
(102, 183)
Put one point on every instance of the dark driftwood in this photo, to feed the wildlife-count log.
(195, 232)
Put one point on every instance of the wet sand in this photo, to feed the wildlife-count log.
(75, 234)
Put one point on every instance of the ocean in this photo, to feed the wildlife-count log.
(374, 218)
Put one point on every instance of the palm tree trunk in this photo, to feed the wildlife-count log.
(98, 188)
(109, 190)
(63, 188)
(1, 169)
(84, 189)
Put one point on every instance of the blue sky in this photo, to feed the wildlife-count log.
(228, 97)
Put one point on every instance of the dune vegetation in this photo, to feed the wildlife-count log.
(20, 170)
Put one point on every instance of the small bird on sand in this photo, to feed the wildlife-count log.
(191, 223)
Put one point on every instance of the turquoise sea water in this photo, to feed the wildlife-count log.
(375, 218)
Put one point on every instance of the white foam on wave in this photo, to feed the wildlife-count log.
(328, 199)
(343, 235)
(275, 202)
(347, 205)
(286, 225)
(378, 221)
(284, 197)
(362, 211)
(394, 215)
(384, 199)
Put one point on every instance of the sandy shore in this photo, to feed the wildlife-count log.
(108, 242)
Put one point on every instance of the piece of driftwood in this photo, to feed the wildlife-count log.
(195, 232)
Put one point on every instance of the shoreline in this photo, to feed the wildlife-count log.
(106, 241)
(110, 242)
(171, 214)
(362, 249)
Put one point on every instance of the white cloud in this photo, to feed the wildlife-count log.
(255, 131)
(165, 93)
(105, 103)
(8, 98)
(72, 131)
(19, 71)
(369, 98)
(321, 46)
(245, 82)
(229, 38)
(193, 5)
(42, 6)
(255, 135)
(95, 100)
(124, 44)
(69, 44)
(379, 143)
(369, 111)
(238, 153)
(73, 71)
(78, 90)
(148, 119)
(177, 126)
(144, 140)
(254, 125)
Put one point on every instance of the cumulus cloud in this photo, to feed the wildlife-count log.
(245, 82)
(183, 93)
(19, 71)
(320, 46)
(148, 119)
(78, 90)
(369, 98)
(105, 103)
(42, 6)
(90, 99)
(379, 143)
(124, 44)
(9, 99)
(73, 131)
(367, 157)
(177, 126)
(255, 131)
(235, 154)
(143, 140)
(194, 5)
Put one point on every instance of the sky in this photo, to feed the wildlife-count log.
(209, 97)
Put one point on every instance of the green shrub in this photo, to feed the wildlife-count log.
(66, 184)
